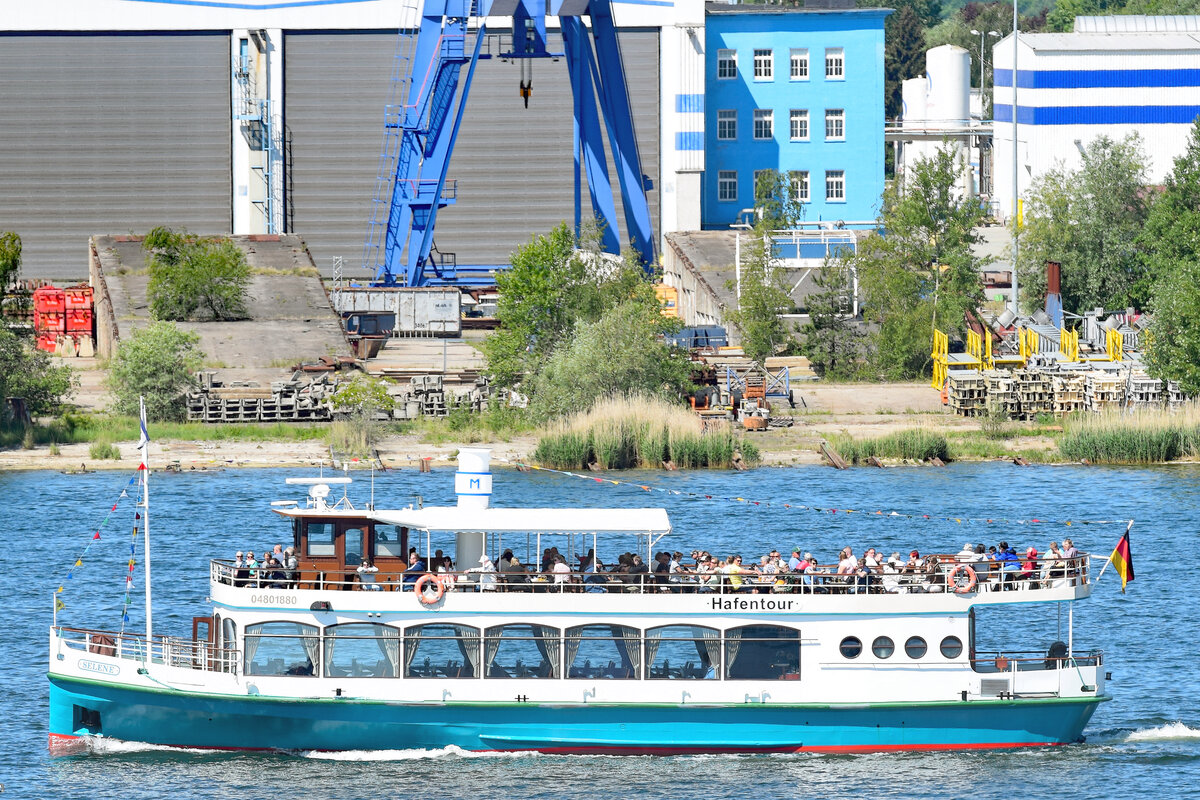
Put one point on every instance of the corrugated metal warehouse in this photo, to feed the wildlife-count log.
(131, 120)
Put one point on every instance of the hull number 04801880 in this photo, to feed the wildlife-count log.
(273, 599)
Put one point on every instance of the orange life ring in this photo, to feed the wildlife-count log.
(419, 588)
(971, 579)
(1001, 663)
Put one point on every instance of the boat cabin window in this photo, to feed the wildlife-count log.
(320, 539)
(915, 647)
(851, 647)
(762, 652)
(228, 630)
(683, 652)
(362, 650)
(388, 543)
(441, 651)
(883, 647)
(951, 647)
(281, 648)
(354, 546)
(521, 651)
(606, 652)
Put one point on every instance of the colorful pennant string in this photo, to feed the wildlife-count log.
(799, 507)
(59, 605)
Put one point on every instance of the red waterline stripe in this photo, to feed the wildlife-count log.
(68, 743)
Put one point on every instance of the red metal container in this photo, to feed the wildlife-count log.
(49, 299)
(49, 321)
(47, 342)
(78, 297)
(79, 321)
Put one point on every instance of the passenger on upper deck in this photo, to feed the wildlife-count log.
(847, 563)
(241, 574)
(291, 567)
(416, 567)
(366, 575)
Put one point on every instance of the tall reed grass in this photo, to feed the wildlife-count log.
(913, 444)
(640, 431)
(1142, 437)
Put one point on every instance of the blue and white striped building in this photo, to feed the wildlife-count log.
(1111, 77)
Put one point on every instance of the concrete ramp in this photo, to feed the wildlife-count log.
(290, 317)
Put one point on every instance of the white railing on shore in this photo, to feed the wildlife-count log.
(935, 575)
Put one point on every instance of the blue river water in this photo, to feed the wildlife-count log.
(1146, 740)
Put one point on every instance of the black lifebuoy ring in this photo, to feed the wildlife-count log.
(971, 579)
(419, 588)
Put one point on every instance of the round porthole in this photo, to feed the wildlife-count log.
(883, 647)
(951, 647)
(851, 647)
(915, 647)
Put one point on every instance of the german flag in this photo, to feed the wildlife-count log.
(1122, 560)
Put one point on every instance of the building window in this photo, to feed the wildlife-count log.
(835, 64)
(727, 185)
(726, 64)
(799, 126)
(764, 123)
(800, 186)
(726, 124)
(835, 186)
(800, 65)
(764, 65)
(835, 125)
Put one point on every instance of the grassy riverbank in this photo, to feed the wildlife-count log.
(621, 433)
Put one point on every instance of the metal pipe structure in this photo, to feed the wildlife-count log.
(1015, 304)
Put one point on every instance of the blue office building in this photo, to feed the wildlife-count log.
(799, 90)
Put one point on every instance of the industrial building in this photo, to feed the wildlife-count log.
(1111, 76)
(799, 90)
(255, 117)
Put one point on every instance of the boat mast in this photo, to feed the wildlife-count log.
(144, 447)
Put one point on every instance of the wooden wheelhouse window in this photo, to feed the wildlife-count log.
(320, 540)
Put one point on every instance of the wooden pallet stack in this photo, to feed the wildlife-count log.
(967, 393)
(1144, 391)
(1174, 396)
(1104, 391)
(1001, 393)
(1035, 394)
(1069, 390)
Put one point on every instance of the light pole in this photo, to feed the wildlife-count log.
(1016, 297)
(981, 34)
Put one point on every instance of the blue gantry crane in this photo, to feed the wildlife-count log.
(429, 98)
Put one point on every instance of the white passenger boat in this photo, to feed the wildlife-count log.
(328, 658)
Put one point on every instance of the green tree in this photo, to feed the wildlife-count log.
(362, 400)
(762, 296)
(832, 337)
(903, 57)
(775, 200)
(157, 363)
(10, 258)
(27, 372)
(620, 353)
(1174, 341)
(551, 287)
(1171, 235)
(919, 273)
(192, 276)
(1090, 221)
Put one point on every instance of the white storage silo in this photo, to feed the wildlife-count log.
(914, 93)
(949, 96)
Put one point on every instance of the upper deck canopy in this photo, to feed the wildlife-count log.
(546, 520)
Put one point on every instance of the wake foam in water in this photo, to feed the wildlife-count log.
(103, 746)
(406, 755)
(1175, 731)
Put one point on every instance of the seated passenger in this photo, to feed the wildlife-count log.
(366, 576)
(486, 574)
(593, 580)
(662, 569)
(734, 572)
(241, 573)
(416, 568)
(559, 571)
(251, 568)
(638, 571)
(1029, 567)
